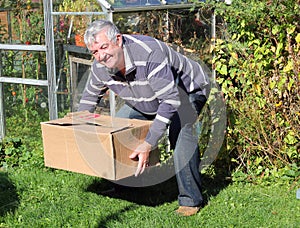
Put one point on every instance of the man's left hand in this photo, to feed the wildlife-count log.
(142, 152)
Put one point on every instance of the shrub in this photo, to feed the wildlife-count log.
(257, 62)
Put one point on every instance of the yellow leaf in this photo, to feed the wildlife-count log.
(273, 49)
(288, 67)
(212, 47)
(298, 38)
(258, 89)
(219, 41)
(234, 55)
(279, 104)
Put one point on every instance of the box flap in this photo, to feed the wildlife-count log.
(82, 118)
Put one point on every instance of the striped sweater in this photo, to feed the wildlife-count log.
(154, 75)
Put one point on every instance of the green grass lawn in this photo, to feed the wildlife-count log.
(54, 198)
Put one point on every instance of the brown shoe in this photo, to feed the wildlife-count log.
(187, 211)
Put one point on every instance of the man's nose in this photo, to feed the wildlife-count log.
(100, 56)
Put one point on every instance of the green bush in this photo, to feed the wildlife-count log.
(20, 152)
(22, 145)
(257, 64)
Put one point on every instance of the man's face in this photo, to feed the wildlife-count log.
(107, 52)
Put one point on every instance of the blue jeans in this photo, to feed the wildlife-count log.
(184, 133)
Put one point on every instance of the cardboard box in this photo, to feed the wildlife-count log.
(94, 144)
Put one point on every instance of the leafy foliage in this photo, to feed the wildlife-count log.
(257, 61)
(10, 151)
(2, 32)
(23, 146)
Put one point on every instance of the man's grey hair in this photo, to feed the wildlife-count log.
(98, 26)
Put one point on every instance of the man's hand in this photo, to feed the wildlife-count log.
(141, 153)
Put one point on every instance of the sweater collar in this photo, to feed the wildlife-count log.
(129, 63)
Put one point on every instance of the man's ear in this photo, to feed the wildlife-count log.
(119, 40)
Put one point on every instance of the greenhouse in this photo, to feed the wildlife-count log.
(67, 68)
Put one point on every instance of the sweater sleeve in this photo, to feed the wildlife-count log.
(92, 94)
(161, 79)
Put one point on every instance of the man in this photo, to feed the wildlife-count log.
(158, 84)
